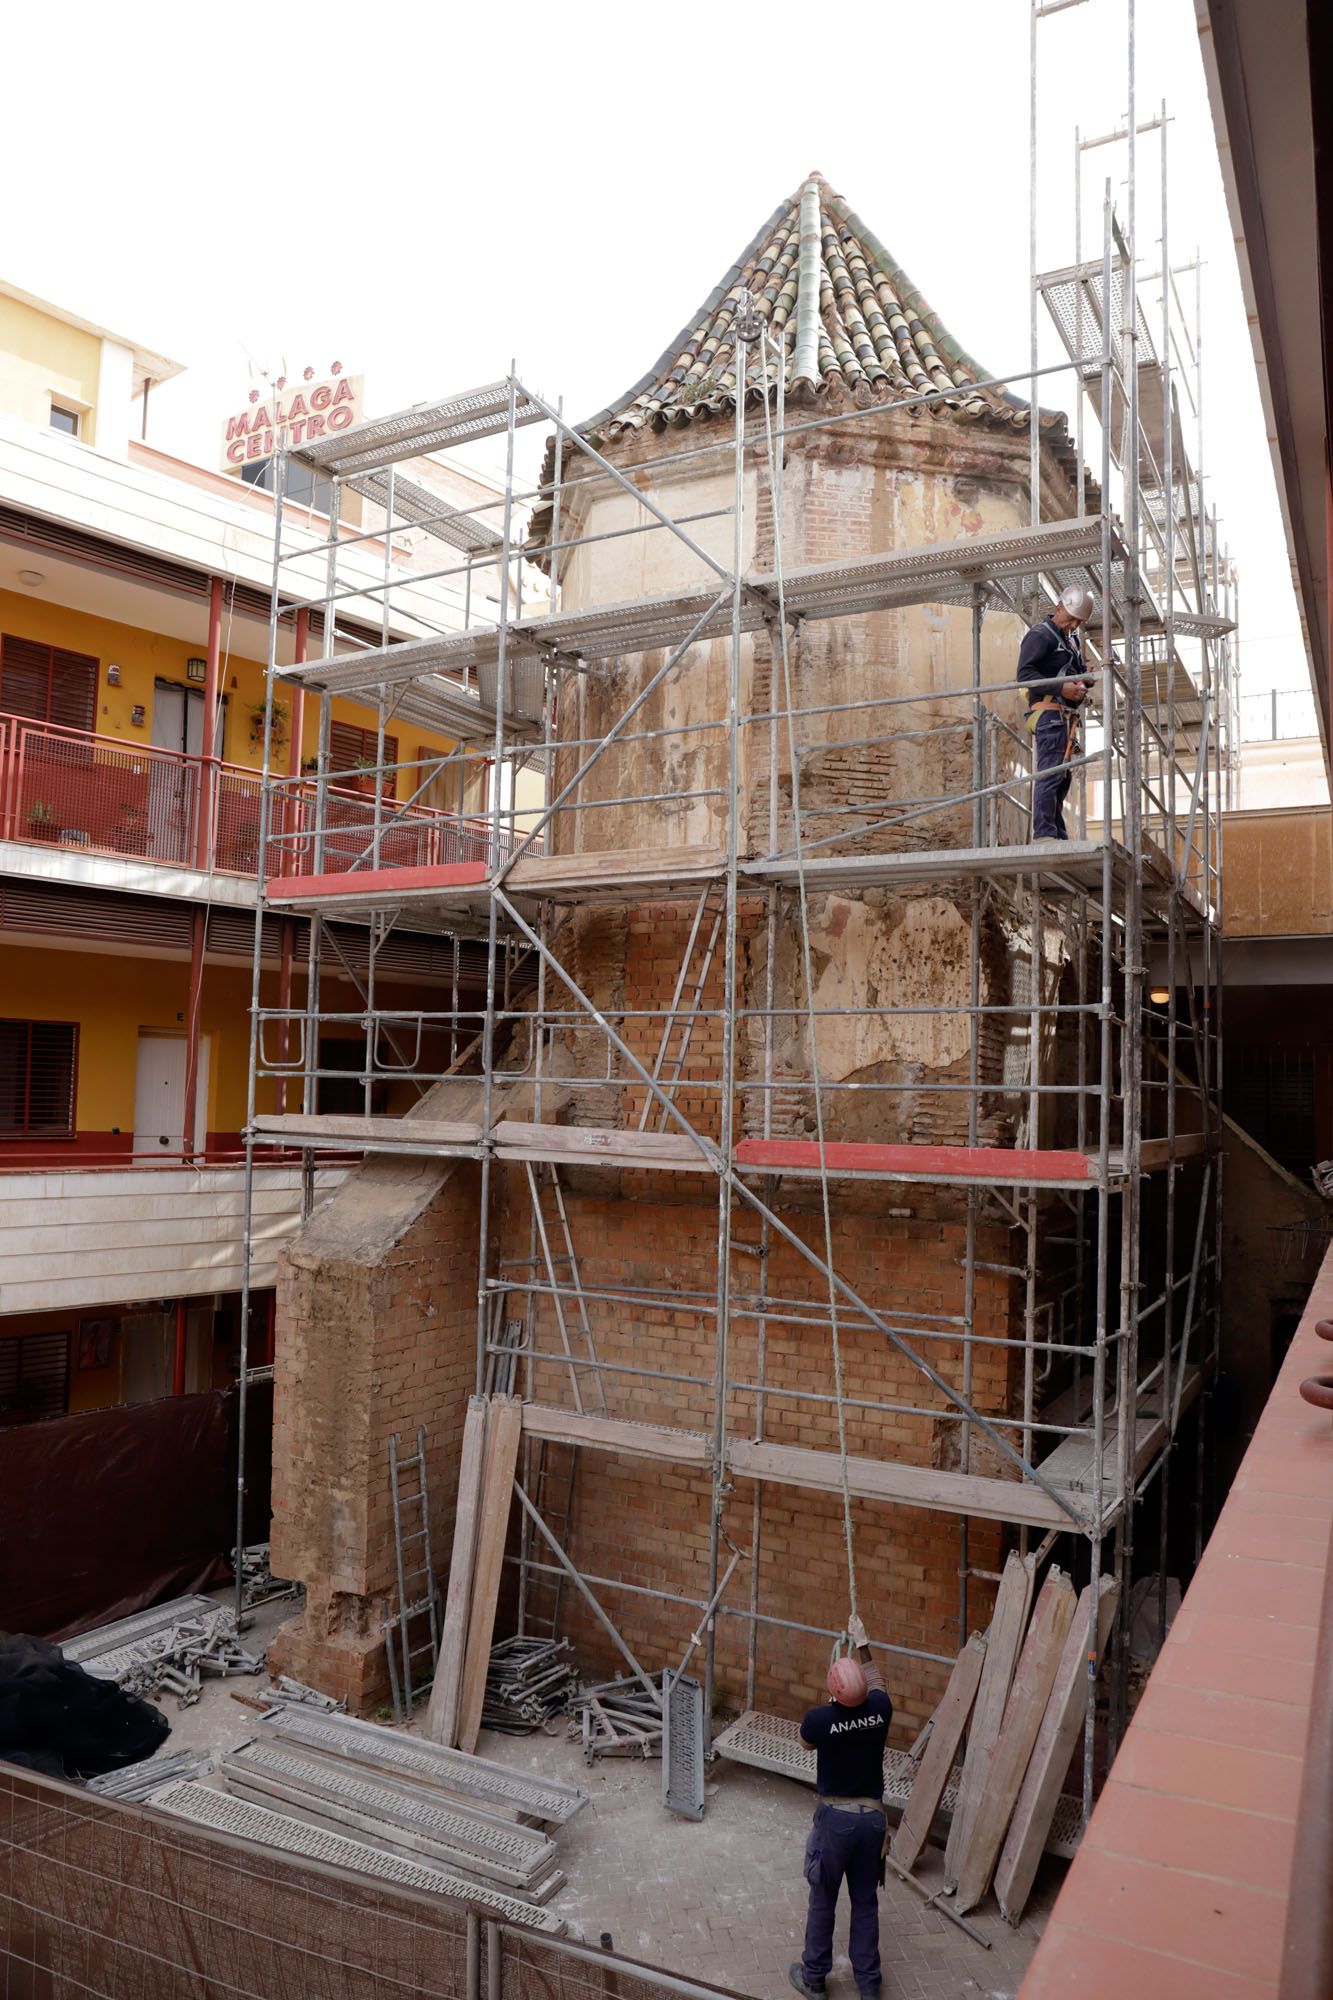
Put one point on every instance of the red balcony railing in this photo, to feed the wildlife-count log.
(79, 790)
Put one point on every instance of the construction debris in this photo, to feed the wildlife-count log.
(528, 1683)
(137, 1782)
(258, 1583)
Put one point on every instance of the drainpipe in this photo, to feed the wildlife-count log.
(208, 767)
(290, 819)
(193, 1008)
(178, 1361)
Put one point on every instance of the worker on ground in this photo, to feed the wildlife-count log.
(848, 1736)
(1050, 664)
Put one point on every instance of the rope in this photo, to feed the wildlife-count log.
(774, 481)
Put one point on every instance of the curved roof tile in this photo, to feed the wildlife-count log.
(849, 318)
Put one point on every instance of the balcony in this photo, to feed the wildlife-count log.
(82, 793)
(98, 1235)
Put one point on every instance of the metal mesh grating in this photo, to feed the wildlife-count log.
(454, 1827)
(411, 1757)
(245, 1821)
(683, 1749)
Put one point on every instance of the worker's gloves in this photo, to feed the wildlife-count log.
(856, 1632)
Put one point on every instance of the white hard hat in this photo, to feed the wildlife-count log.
(1077, 600)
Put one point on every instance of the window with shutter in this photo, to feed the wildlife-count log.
(34, 1376)
(349, 748)
(38, 1064)
(47, 683)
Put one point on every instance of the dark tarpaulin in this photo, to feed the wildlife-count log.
(108, 1512)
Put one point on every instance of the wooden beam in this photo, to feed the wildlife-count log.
(617, 869)
(334, 1128)
(582, 1145)
(946, 1734)
(503, 1430)
(889, 1480)
(1008, 1623)
(1016, 1165)
(1034, 1678)
(442, 1715)
(1031, 1824)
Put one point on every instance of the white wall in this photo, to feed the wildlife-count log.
(103, 1237)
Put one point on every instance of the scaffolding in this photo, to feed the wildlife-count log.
(1085, 1126)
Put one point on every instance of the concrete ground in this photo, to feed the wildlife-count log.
(722, 1900)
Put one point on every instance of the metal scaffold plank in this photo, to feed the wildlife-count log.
(425, 427)
(884, 580)
(246, 1821)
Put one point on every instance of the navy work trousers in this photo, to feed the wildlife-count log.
(1054, 743)
(844, 1846)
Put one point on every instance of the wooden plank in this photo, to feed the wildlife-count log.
(946, 1733)
(1008, 1164)
(504, 1428)
(1007, 1625)
(1034, 1678)
(331, 1126)
(1155, 1153)
(891, 1481)
(617, 1434)
(1030, 1826)
(442, 1715)
(894, 1481)
(541, 874)
(520, 1139)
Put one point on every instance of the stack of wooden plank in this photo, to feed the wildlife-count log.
(1019, 1695)
(487, 1462)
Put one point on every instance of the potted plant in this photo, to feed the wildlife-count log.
(258, 713)
(41, 821)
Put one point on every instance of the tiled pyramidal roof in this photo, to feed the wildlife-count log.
(850, 320)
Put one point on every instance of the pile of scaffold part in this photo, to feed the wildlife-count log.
(169, 1650)
(528, 1683)
(617, 1719)
(392, 1805)
(275, 1694)
(1017, 1696)
(137, 1782)
(258, 1583)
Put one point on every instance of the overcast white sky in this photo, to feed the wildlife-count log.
(422, 191)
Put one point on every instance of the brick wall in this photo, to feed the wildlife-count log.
(376, 1337)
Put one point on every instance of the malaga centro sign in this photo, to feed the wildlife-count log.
(291, 415)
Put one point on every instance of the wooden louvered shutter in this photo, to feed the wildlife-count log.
(350, 746)
(34, 1375)
(47, 683)
(38, 1062)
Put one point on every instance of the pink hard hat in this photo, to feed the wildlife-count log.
(847, 1682)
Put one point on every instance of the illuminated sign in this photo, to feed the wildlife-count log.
(291, 415)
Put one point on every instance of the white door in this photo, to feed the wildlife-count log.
(159, 1094)
(146, 1344)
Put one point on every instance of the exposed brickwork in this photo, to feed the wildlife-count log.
(370, 1344)
(366, 1349)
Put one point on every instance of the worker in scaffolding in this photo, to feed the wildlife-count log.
(1050, 665)
(848, 1735)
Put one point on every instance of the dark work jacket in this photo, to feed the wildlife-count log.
(1047, 657)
